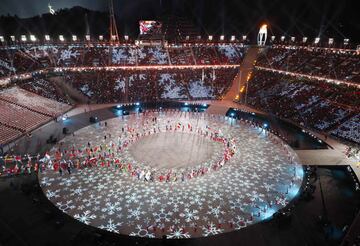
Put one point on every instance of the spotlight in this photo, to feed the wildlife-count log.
(61, 38)
(12, 38)
(232, 39)
(118, 106)
(210, 37)
(137, 104)
(74, 38)
(204, 105)
(101, 37)
(47, 37)
(222, 37)
(272, 38)
(2, 39)
(32, 38)
(186, 104)
(265, 125)
(23, 38)
(244, 37)
(232, 114)
(317, 40)
(282, 38)
(304, 39)
(292, 39)
(87, 37)
(126, 37)
(64, 118)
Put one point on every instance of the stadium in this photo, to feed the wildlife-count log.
(172, 135)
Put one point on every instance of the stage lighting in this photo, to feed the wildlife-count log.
(244, 37)
(282, 38)
(87, 37)
(331, 41)
(118, 106)
(210, 37)
(222, 37)
(2, 39)
(232, 39)
(74, 38)
(304, 39)
(232, 114)
(292, 39)
(187, 37)
(186, 104)
(12, 38)
(101, 37)
(346, 41)
(199, 37)
(47, 37)
(137, 104)
(61, 38)
(272, 38)
(64, 118)
(113, 37)
(317, 40)
(204, 105)
(265, 125)
(126, 37)
(23, 38)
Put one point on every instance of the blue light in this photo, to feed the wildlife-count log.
(265, 125)
(64, 118)
(186, 104)
(118, 106)
(232, 114)
(204, 105)
(137, 104)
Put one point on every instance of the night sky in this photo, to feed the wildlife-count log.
(303, 17)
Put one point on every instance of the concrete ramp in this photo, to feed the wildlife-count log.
(246, 67)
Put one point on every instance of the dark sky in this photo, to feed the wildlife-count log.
(292, 17)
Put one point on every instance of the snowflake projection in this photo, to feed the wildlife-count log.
(65, 206)
(111, 226)
(178, 233)
(215, 211)
(52, 194)
(85, 217)
(142, 232)
(250, 182)
(111, 208)
(190, 215)
(135, 213)
(162, 215)
(211, 229)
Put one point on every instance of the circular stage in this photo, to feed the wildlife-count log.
(172, 173)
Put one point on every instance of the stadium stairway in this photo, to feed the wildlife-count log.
(73, 95)
(246, 68)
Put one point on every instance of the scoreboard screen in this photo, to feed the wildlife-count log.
(150, 27)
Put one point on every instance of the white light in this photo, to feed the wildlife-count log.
(113, 37)
(304, 39)
(346, 41)
(210, 37)
(199, 37)
(265, 125)
(118, 106)
(292, 39)
(232, 38)
(222, 37)
(186, 104)
(272, 38)
(101, 37)
(64, 118)
(32, 38)
(126, 37)
(317, 40)
(232, 114)
(187, 37)
(61, 38)
(244, 37)
(331, 41)
(47, 37)
(74, 38)
(204, 105)
(23, 38)
(87, 37)
(137, 104)
(282, 38)
(12, 38)
(2, 39)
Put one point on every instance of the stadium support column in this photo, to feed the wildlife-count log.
(114, 35)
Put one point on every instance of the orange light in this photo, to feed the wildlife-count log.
(242, 89)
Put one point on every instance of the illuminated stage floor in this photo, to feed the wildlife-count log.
(257, 181)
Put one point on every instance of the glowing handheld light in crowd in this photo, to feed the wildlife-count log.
(262, 35)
